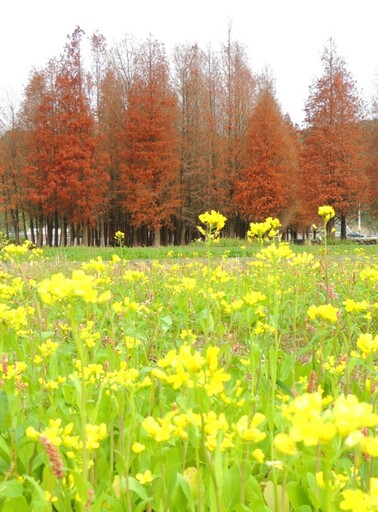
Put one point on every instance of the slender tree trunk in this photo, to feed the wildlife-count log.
(49, 232)
(56, 229)
(32, 233)
(40, 231)
(343, 227)
(24, 225)
(72, 234)
(16, 225)
(102, 232)
(85, 230)
(6, 223)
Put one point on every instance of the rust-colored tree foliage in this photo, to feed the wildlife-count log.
(238, 97)
(149, 174)
(190, 87)
(12, 160)
(371, 137)
(137, 147)
(265, 184)
(38, 116)
(334, 148)
(65, 167)
(80, 168)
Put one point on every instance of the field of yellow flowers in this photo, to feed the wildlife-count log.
(190, 385)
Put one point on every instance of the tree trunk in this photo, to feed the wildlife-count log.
(343, 227)
(24, 225)
(32, 234)
(49, 240)
(56, 229)
(156, 238)
(40, 231)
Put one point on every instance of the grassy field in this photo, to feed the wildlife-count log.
(232, 248)
(213, 377)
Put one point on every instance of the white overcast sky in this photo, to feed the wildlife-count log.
(287, 36)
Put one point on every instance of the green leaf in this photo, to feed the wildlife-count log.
(241, 508)
(231, 487)
(283, 502)
(284, 387)
(3, 408)
(286, 366)
(5, 447)
(254, 495)
(138, 488)
(81, 486)
(181, 495)
(297, 495)
(166, 323)
(206, 321)
(20, 504)
(11, 489)
(313, 490)
(45, 335)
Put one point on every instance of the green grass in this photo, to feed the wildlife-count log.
(232, 248)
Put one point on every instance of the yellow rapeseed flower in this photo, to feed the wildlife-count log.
(213, 218)
(325, 312)
(352, 306)
(349, 414)
(367, 344)
(285, 444)
(138, 447)
(145, 478)
(327, 212)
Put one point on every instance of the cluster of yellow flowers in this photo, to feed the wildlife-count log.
(217, 429)
(60, 288)
(327, 212)
(16, 318)
(119, 238)
(357, 500)
(214, 222)
(62, 436)
(188, 367)
(17, 252)
(120, 378)
(367, 344)
(311, 423)
(325, 312)
(263, 230)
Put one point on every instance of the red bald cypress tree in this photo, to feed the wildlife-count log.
(67, 177)
(149, 178)
(263, 188)
(334, 155)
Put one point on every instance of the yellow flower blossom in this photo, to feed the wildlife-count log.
(263, 230)
(94, 434)
(259, 455)
(352, 306)
(325, 312)
(349, 414)
(59, 287)
(367, 344)
(357, 500)
(285, 444)
(327, 212)
(48, 348)
(213, 219)
(247, 430)
(138, 447)
(145, 478)
(97, 265)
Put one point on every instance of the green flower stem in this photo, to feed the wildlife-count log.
(83, 392)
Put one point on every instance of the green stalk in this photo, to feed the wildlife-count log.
(83, 393)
